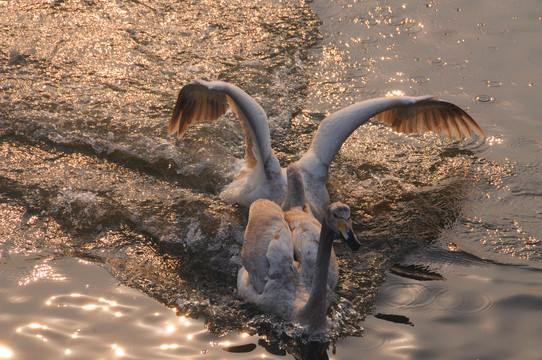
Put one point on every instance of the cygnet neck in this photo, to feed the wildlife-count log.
(295, 195)
(314, 312)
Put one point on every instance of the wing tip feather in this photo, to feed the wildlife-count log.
(196, 102)
(431, 114)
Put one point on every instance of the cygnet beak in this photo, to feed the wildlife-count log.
(345, 228)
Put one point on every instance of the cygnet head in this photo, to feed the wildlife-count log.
(337, 218)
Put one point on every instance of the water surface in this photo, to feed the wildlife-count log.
(88, 172)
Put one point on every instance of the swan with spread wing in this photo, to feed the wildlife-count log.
(264, 178)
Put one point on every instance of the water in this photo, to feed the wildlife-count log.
(89, 176)
(79, 312)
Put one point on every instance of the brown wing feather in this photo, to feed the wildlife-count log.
(433, 115)
(446, 116)
(456, 130)
(438, 120)
(196, 103)
(423, 124)
(462, 124)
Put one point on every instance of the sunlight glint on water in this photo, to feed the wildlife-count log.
(119, 321)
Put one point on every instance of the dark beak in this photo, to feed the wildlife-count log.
(349, 237)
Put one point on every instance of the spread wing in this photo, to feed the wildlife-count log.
(196, 102)
(404, 113)
(207, 101)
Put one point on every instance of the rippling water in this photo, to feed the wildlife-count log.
(88, 172)
(81, 312)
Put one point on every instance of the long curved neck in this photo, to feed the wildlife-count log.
(314, 312)
(255, 127)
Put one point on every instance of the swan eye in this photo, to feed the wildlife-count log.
(335, 215)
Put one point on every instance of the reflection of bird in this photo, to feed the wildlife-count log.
(264, 178)
(289, 267)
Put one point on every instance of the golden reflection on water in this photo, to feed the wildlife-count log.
(395, 93)
(119, 352)
(42, 271)
(5, 353)
(68, 319)
(91, 303)
(494, 140)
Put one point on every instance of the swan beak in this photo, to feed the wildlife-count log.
(345, 228)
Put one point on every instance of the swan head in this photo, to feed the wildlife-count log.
(338, 219)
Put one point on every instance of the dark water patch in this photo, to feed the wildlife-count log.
(240, 348)
(398, 319)
(272, 347)
(453, 152)
(473, 308)
(416, 272)
(524, 302)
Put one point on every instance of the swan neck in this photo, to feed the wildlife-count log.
(314, 311)
(295, 195)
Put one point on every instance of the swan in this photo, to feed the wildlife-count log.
(263, 176)
(289, 266)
